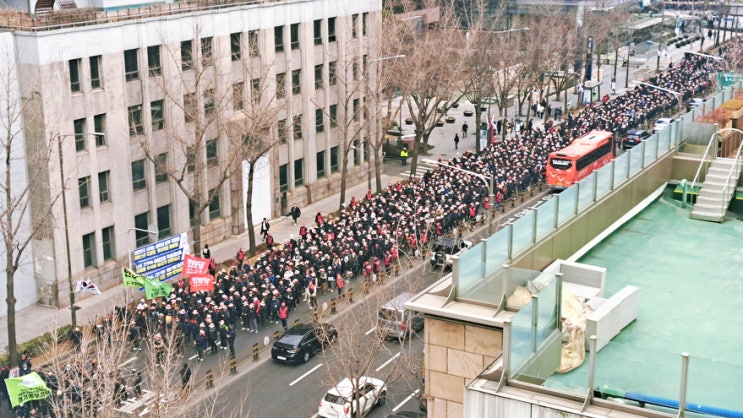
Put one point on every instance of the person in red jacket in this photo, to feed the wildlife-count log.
(283, 314)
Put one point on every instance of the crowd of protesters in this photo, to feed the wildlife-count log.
(368, 236)
(366, 239)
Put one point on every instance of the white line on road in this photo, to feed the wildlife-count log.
(143, 413)
(388, 362)
(193, 356)
(128, 361)
(370, 331)
(306, 374)
(405, 401)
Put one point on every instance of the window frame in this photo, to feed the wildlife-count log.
(207, 48)
(89, 256)
(210, 105)
(99, 126)
(108, 239)
(141, 236)
(298, 172)
(278, 39)
(190, 107)
(104, 186)
(164, 224)
(333, 115)
(215, 205)
(281, 130)
(331, 29)
(319, 79)
(139, 176)
(131, 64)
(238, 95)
(157, 116)
(332, 78)
(320, 163)
(317, 31)
(78, 125)
(334, 159)
(161, 173)
(136, 124)
(236, 46)
(187, 55)
(83, 191)
(95, 72)
(297, 81)
(75, 68)
(254, 49)
(294, 36)
(154, 65)
(281, 85)
(297, 127)
(319, 120)
(212, 152)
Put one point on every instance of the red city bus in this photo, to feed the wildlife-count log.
(582, 157)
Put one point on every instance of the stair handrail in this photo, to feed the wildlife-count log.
(704, 159)
(734, 167)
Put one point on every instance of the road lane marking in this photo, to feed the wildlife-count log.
(405, 401)
(306, 374)
(388, 362)
(193, 356)
(128, 361)
(370, 331)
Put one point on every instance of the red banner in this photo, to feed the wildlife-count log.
(193, 265)
(201, 282)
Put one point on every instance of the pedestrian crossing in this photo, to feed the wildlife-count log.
(131, 405)
(419, 172)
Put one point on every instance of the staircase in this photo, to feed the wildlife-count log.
(714, 198)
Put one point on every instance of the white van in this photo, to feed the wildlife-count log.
(394, 321)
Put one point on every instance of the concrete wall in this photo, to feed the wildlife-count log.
(454, 354)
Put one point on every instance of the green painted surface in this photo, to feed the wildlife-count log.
(690, 275)
(695, 191)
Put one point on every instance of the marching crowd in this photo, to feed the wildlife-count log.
(369, 235)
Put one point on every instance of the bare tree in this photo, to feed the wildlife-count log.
(432, 82)
(26, 203)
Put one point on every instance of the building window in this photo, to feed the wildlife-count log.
(294, 35)
(255, 90)
(190, 159)
(278, 38)
(215, 209)
(206, 48)
(334, 159)
(283, 178)
(318, 77)
(83, 188)
(131, 64)
(209, 105)
(109, 239)
(297, 127)
(364, 20)
(296, 82)
(156, 112)
(142, 222)
(189, 107)
(135, 120)
(356, 110)
(320, 162)
(138, 179)
(153, 60)
(235, 46)
(163, 221)
(298, 172)
(354, 23)
(95, 72)
(186, 55)
(212, 150)
(75, 74)
(354, 71)
(280, 85)
(319, 120)
(331, 29)
(99, 125)
(161, 166)
(333, 110)
(281, 130)
(89, 250)
(192, 217)
(237, 96)
(253, 45)
(104, 194)
(331, 73)
(79, 126)
(317, 31)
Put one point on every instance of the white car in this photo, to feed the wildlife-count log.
(341, 400)
(662, 123)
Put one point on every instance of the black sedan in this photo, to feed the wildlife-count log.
(634, 137)
(302, 341)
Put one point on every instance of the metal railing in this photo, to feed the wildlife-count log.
(704, 159)
(735, 167)
(14, 20)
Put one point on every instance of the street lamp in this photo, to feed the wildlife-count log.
(488, 180)
(73, 308)
(675, 93)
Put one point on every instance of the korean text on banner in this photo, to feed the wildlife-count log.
(201, 282)
(27, 388)
(131, 278)
(193, 265)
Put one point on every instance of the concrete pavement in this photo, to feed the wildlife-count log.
(37, 319)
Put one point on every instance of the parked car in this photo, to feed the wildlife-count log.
(394, 321)
(662, 123)
(445, 248)
(634, 137)
(303, 341)
(340, 400)
(695, 102)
